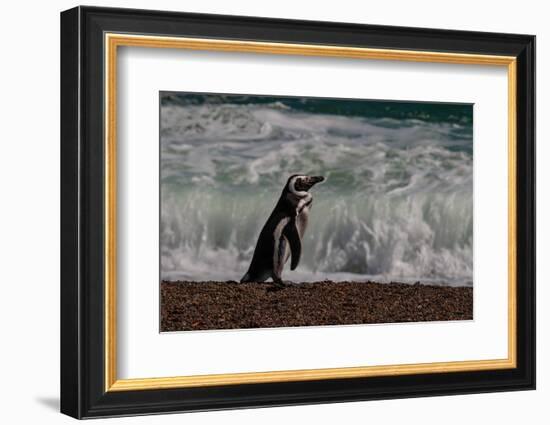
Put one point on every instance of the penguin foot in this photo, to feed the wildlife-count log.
(274, 288)
(281, 284)
(278, 283)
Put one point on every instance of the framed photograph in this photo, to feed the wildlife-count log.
(261, 212)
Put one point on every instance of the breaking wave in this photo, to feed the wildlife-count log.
(397, 203)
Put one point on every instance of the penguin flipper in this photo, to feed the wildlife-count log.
(291, 233)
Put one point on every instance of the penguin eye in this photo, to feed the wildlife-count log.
(299, 184)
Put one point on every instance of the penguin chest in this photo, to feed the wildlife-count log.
(302, 220)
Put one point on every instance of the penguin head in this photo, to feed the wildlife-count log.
(299, 184)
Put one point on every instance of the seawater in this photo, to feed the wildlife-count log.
(397, 204)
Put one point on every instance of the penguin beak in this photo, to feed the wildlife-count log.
(313, 180)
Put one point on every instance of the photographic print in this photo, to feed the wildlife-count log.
(340, 206)
(305, 211)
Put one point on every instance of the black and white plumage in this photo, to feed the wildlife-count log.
(282, 234)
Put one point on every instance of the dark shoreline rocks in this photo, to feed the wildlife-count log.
(189, 306)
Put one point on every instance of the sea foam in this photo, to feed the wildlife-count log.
(397, 204)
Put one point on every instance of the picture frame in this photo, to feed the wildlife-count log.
(90, 41)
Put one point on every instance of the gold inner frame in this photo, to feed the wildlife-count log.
(113, 41)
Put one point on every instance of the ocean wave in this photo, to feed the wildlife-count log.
(397, 203)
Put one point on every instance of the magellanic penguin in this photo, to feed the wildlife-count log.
(283, 232)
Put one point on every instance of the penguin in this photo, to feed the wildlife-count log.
(282, 234)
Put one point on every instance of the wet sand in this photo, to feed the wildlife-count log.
(189, 306)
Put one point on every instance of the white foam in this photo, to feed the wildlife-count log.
(397, 204)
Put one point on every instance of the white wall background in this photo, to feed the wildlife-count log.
(29, 211)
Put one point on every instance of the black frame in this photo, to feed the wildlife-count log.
(82, 219)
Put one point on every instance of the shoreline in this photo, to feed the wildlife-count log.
(187, 306)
